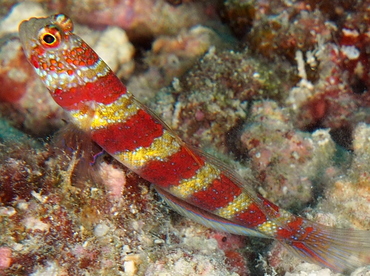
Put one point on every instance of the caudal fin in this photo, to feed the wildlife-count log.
(336, 248)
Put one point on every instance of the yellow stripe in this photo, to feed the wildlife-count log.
(98, 115)
(91, 73)
(119, 111)
(161, 148)
(240, 203)
(200, 181)
(83, 117)
(269, 228)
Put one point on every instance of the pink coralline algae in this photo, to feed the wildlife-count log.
(14, 82)
(279, 27)
(142, 19)
(286, 161)
(5, 258)
(171, 57)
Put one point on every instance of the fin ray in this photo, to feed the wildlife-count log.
(337, 248)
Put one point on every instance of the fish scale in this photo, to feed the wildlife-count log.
(194, 184)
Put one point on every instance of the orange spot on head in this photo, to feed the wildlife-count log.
(75, 62)
(69, 60)
(52, 68)
(82, 63)
(70, 72)
(44, 66)
(39, 50)
(90, 62)
(53, 62)
(88, 52)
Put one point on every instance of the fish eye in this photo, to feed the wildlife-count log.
(50, 37)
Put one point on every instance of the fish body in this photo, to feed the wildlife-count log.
(194, 184)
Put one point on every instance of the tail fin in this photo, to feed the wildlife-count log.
(339, 249)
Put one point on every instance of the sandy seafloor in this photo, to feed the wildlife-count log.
(279, 90)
